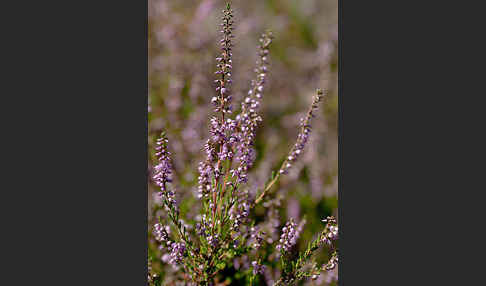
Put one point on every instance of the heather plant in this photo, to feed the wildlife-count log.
(222, 242)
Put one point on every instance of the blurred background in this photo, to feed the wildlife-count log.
(183, 45)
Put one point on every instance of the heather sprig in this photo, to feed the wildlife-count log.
(289, 237)
(222, 101)
(248, 118)
(225, 234)
(163, 170)
(294, 270)
(298, 148)
(303, 137)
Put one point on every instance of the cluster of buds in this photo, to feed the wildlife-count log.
(169, 197)
(163, 173)
(161, 233)
(213, 240)
(217, 130)
(289, 236)
(258, 238)
(204, 179)
(303, 136)
(202, 227)
(332, 262)
(227, 146)
(163, 170)
(176, 252)
(257, 268)
(239, 216)
(222, 102)
(210, 151)
(222, 133)
(206, 170)
(332, 230)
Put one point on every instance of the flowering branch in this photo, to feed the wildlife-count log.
(298, 147)
(294, 272)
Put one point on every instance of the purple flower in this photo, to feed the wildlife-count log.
(257, 236)
(177, 250)
(213, 240)
(332, 262)
(163, 172)
(332, 230)
(239, 216)
(204, 179)
(290, 234)
(161, 233)
(257, 268)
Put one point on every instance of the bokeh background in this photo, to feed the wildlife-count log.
(183, 45)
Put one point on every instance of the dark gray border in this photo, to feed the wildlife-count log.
(79, 171)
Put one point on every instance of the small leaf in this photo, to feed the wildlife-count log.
(221, 265)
